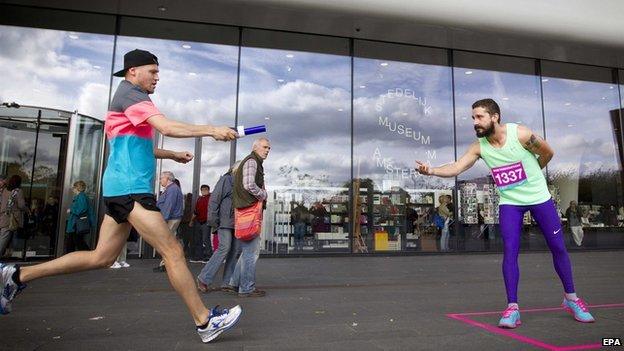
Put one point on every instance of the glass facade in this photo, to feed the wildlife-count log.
(403, 111)
(31, 140)
(583, 123)
(303, 98)
(50, 72)
(347, 120)
(84, 161)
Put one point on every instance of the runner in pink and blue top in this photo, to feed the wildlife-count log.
(128, 189)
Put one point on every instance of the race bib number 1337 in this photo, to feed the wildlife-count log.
(509, 176)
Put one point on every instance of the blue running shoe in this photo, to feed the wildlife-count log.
(219, 321)
(9, 288)
(510, 318)
(578, 309)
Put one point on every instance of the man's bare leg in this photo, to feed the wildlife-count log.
(153, 228)
(113, 236)
(173, 227)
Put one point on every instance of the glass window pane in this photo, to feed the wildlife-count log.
(56, 69)
(512, 83)
(304, 99)
(50, 69)
(403, 111)
(86, 162)
(581, 106)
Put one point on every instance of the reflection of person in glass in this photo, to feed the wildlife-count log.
(573, 215)
(50, 215)
(487, 232)
(12, 209)
(451, 207)
(516, 157)
(128, 186)
(319, 213)
(300, 219)
(609, 214)
(80, 220)
(411, 216)
(36, 213)
(445, 214)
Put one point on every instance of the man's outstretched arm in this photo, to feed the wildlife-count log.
(175, 129)
(452, 169)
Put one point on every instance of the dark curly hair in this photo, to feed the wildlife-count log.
(14, 182)
(490, 106)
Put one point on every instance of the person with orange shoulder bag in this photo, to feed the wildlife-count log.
(249, 203)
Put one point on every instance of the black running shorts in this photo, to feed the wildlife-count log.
(119, 207)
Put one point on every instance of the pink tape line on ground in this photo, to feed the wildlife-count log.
(496, 330)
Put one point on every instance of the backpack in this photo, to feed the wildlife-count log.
(438, 221)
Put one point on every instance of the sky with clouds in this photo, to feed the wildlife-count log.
(55, 69)
(305, 100)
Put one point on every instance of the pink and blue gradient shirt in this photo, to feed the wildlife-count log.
(131, 163)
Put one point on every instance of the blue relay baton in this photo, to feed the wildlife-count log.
(242, 131)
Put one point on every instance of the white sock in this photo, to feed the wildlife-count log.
(571, 297)
(513, 305)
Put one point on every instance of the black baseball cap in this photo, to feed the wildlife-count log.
(136, 58)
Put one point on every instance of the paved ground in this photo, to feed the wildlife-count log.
(346, 303)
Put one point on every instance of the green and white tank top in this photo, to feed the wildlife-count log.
(515, 171)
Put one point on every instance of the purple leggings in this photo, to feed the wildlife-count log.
(545, 214)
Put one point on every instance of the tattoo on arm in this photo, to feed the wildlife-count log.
(533, 143)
